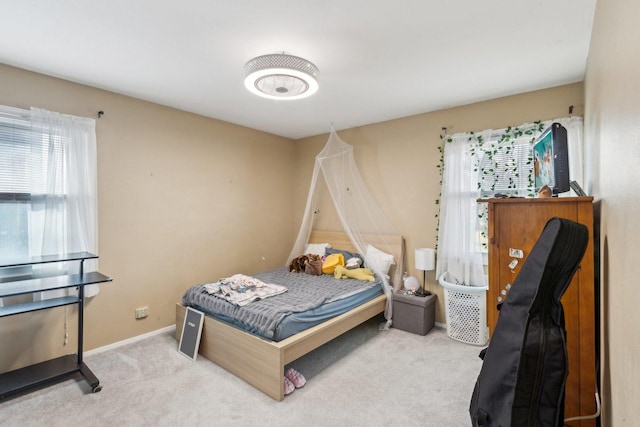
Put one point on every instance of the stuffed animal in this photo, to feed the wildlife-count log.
(353, 262)
(331, 261)
(305, 262)
(313, 265)
(545, 191)
(298, 264)
(357, 273)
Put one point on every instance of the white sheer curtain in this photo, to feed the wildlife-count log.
(64, 218)
(458, 253)
(462, 222)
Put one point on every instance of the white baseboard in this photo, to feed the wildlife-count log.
(130, 340)
(440, 325)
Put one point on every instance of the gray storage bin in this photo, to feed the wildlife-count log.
(414, 314)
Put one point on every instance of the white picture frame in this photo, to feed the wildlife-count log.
(191, 332)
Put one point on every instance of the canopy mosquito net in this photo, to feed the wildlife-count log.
(335, 173)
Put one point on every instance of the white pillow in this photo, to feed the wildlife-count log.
(316, 248)
(377, 260)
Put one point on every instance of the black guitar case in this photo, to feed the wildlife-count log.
(524, 370)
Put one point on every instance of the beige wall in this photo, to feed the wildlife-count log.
(612, 133)
(183, 199)
(398, 159)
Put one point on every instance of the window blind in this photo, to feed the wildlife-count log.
(15, 147)
(506, 167)
(25, 156)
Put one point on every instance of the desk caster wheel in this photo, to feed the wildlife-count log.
(96, 388)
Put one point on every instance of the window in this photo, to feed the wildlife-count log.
(479, 165)
(48, 183)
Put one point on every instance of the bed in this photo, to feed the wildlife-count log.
(261, 362)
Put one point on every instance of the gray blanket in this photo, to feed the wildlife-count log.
(304, 292)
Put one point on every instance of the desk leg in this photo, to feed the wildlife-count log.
(89, 376)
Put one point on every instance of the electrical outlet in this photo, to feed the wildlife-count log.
(142, 312)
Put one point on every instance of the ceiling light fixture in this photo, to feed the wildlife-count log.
(281, 76)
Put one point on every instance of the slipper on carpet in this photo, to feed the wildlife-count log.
(288, 386)
(296, 378)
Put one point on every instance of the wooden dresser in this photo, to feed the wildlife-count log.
(514, 227)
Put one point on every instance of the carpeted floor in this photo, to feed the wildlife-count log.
(363, 378)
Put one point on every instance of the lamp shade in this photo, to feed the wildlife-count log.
(425, 259)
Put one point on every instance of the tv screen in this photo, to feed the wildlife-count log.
(551, 160)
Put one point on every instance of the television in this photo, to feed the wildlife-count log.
(551, 160)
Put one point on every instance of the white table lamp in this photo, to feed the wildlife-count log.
(425, 261)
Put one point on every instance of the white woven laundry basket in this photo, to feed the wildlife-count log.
(466, 312)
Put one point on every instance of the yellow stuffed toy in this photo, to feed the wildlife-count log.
(357, 273)
(331, 261)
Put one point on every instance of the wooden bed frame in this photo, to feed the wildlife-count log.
(261, 362)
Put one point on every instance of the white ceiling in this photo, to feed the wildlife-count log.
(378, 59)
